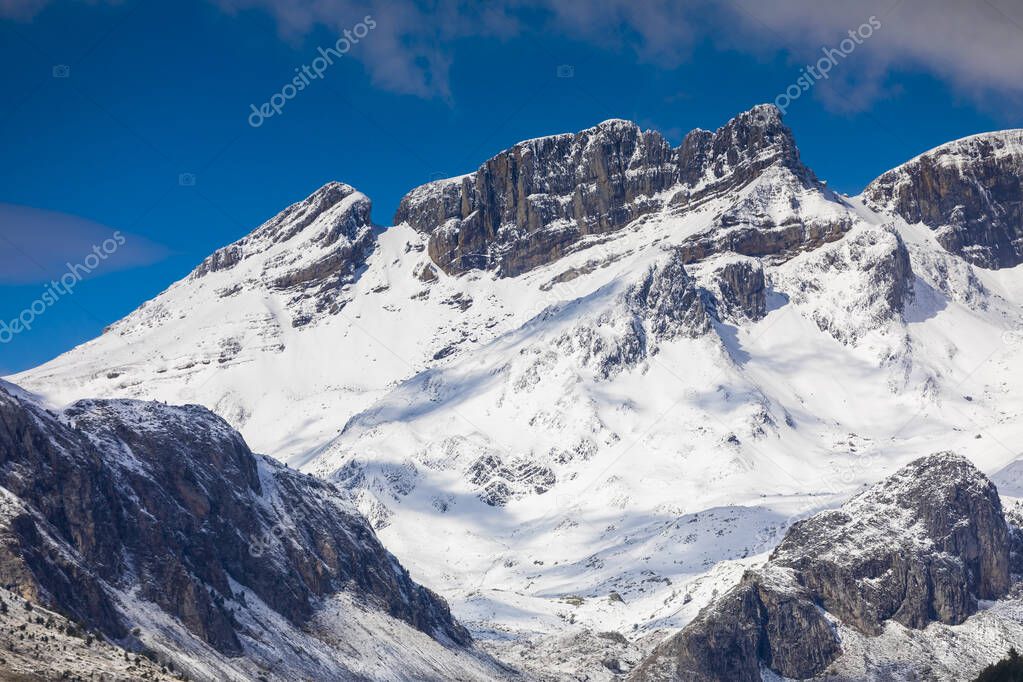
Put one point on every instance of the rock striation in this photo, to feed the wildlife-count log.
(739, 289)
(533, 203)
(922, 546)
(970, 192)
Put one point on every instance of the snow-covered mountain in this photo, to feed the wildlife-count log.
(583, 388)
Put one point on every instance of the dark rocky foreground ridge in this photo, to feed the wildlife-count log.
(168, 504)
(921, 546)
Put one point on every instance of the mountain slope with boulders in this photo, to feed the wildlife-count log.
(581, 390)
(156, 527)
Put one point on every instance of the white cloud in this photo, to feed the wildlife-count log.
(977, 47)
(974, 46)
(22, 10)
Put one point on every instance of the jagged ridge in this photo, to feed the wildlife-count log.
(529, 205)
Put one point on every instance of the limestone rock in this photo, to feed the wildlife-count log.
(969, 191)
(531, 204)
(310, 250)
(169, 504)
(740, 289)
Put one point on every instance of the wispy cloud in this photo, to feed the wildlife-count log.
(22, 10)
(974, 46)
(36, 245)
(411, 48)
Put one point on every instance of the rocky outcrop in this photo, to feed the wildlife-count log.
(124, 501)
(309, 250)
(780, 240)
(527, 205)
(921, 546)
(668, 301)
(664, 303)
(969, 191)
(768, 619)
(853, 287)
(531, 204)
(739, 289)
(499, 482)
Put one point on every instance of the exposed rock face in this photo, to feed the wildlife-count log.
(921, 546)
(168, 504)
(665, 303)
(767, 619)
(309, 250)
(499, 482)
(529, 205)
(772, 221)
(526, 205)
(668, 300)
(969, 191)
(934, 531)
(740, 289)
(855, 286)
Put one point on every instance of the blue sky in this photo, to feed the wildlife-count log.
(110, 110)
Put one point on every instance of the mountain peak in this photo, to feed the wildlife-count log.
(309, 250)
(969, 191)
(323, 216)
(762, 114)
(531, 203)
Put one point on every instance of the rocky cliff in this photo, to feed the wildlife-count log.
(969, 191)
(125, 502)
(922, 546)
(533, 203)
(738, 289)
